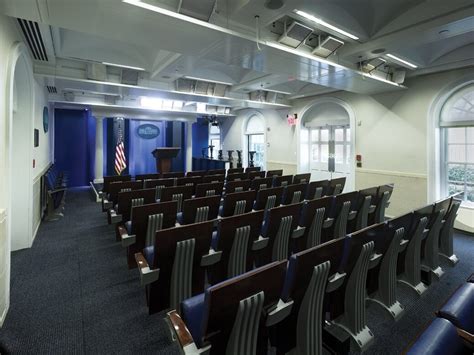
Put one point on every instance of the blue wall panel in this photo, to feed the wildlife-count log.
(140, 157)
(200, 136)
(74, 145)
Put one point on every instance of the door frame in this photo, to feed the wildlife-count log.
(350, 183)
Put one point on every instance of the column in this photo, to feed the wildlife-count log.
(99, 150)
(189, 146)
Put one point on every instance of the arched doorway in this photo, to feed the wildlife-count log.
(327, 141)
(19, 148)
(255, 140)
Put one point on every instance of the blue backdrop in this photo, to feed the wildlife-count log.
(74, 145)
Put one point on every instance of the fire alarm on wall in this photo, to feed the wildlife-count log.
(292, 119)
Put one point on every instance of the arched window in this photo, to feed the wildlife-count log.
(456, 123)
(255, 140)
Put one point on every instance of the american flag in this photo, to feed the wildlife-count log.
(120, 160)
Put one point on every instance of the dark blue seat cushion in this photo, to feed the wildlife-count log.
(179, 217)
(214, 240)
(439, 338)
(149, 253)
(471, 278)
(192, 310)
(460, 308)
(128, 226)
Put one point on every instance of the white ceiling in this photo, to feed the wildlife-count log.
(433, 34)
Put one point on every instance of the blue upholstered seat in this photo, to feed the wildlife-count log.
(460, 308)
(439, 338)
(214, 240)
(128, 226)
(179, 217)
(193, 313)
(149, 253)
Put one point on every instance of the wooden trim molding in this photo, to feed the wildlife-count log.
(391, 173)
(281, 162)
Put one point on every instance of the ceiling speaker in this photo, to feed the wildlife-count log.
(273, 4)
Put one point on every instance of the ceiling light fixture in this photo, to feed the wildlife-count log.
(123, 66)
(411, 65)
(325, 24)
(207, 80)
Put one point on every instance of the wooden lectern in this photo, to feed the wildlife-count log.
(163, 158)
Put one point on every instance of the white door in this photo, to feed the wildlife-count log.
(330, 152)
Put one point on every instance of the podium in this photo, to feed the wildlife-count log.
(163, 158)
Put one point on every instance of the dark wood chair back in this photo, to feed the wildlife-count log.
(302, 178)
(317, 189)
(283, 180)
(115, 178)
(222, 303)
(255, 174)
(139, 224)
(191, 206)
(336, 184)
(235, 170)
(167, 194)
(172, 175)
(166, 241)
(116, 187)
(216, 172)
(125, 200)
(213, 178)
(264, 194)
(252, 169)
(236, 176)
(196, 173)
(294, 193)
(231, 200)
(209, 189)
(237, 186)
(272, 173)
(226, 238)
(144, 177)
(261, 183)
(159, 182)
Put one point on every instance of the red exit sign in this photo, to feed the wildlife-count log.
(292, 119)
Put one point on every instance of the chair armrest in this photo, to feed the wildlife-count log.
(212, 258)
(466, 335)
(352, 215)
(54, 191)
(403, 245)
(147, 275)
(298, 232)
(328, 222)
(260, 243)
(374, 260)
(280, 312)
(372, 208)
(182, 333)
(114, 217)
(126, 239)
(107, 204)
(335, 281)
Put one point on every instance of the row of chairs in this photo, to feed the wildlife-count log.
(453, 328)
(302, 304)
(55, 185)
(271, 234)
(263, 196)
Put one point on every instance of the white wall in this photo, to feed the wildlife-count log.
(392, 137)
(280, 137)
(9, 35)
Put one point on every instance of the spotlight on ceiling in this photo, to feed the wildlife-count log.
(273, 4)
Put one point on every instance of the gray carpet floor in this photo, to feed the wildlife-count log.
(71, 293)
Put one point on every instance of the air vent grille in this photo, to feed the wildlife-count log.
(34, 39)
(202, 9)
(295, 34)
(52, 89)
(328, 46)
(200, 87)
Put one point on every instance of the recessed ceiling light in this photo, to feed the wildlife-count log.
(123, 66)
(403, 61)
(207, 80)
(325, 24)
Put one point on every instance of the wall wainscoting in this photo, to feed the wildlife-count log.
(288, 168)
(409, 193)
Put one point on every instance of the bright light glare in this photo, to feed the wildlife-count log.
(411, 65)
(325, 24)
(151, 102)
